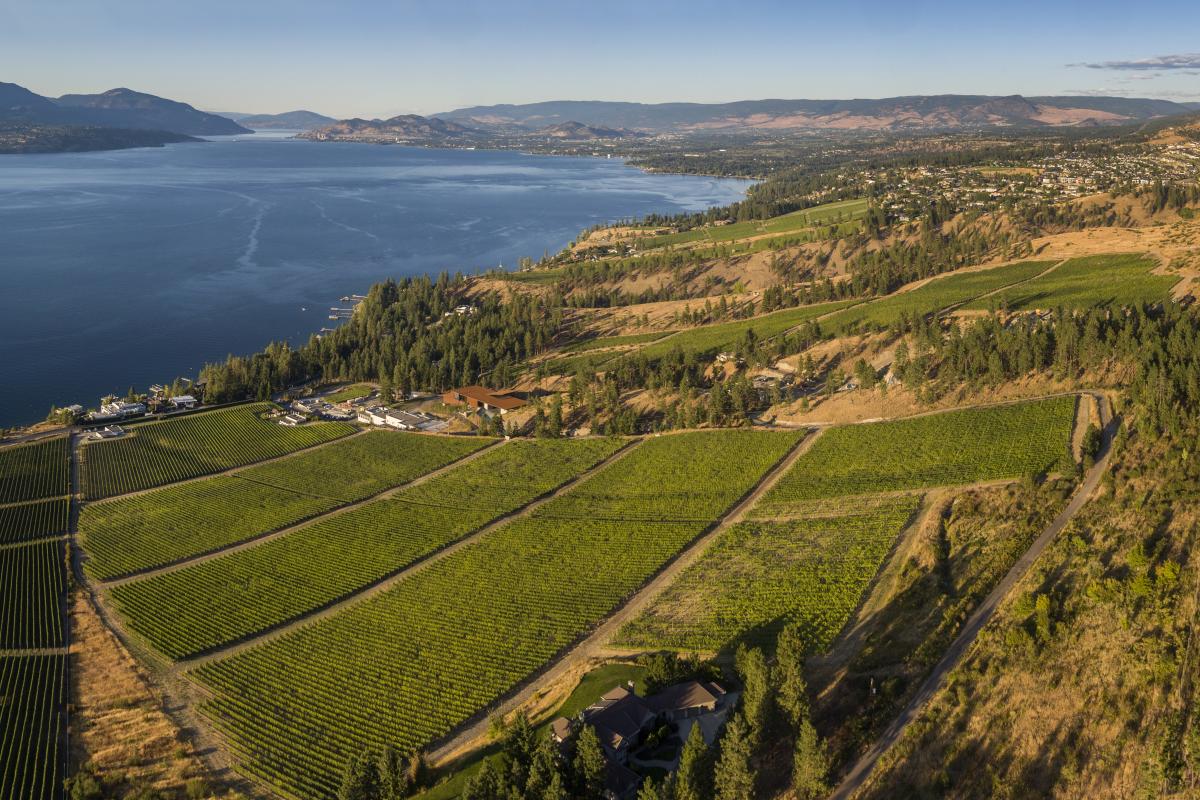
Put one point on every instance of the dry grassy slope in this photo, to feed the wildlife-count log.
(1098, 700)
(117, 721)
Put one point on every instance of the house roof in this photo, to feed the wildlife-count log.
(482, 394)
(619, 715)
(620, 779)
(561, 728)
(682, 696)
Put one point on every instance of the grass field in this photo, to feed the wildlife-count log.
(33, 471)
(443, 644)
(33, 691)
(156, 453)
(761, 576)
(32, 584)
(202, 606)
(131, 534)
(933, 296)
(1120, 279)
(351, 392)
(23, 522)
(956, 447)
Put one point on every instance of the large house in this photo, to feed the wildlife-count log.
(482, 398)
(622, 719)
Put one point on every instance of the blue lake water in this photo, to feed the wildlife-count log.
(133, 267)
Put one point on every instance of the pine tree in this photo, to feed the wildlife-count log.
(590, 766)
(752, 668)
(792, 692)
(393, 775)
(693, 780)
(488, 784)
(545, 768)
(734, 778)
(811, 764)
(361, 779)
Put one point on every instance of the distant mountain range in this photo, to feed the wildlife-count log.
(938, 112)
(299, 120)
(116, 108)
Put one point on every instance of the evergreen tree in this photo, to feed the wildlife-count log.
(589, 765)
(487, 784)
(693, 780)
(752, 668)
(361, 779)
(791, 694)
(393, 775)
(811, 765)
(734, 778)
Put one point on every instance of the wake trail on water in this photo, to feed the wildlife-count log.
(246, 260)
(344, 226)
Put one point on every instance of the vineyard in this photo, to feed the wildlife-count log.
(955, 447)
(761, 576)
(443, 644)
(33, 471)
(843, 210)
(32, 586)
(364, 465)
(709, 339)
(32, 695)
(131, 534)
(155, 453)
(208, 604)
(612, 341)
(23, 522)
(1123, 279)
(933, 296)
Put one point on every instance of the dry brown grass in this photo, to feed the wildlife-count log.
(117, 722)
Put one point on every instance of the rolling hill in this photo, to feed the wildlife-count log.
(116, 108)
(937, 112)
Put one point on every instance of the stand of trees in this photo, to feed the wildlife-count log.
(406, 333)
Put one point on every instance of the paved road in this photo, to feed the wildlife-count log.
(861, 771)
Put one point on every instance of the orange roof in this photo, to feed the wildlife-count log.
(481, 394)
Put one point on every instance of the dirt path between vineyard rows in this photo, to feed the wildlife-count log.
(861, 771)
(262, 538)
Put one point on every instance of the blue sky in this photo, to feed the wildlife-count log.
(374, 58)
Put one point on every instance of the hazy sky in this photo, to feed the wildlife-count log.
(375, 58)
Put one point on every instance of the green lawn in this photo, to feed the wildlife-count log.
(351, 392)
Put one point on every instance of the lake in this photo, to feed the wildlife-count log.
(132, 267)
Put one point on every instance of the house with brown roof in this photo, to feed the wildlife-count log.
(482, 398)
(684, 700)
